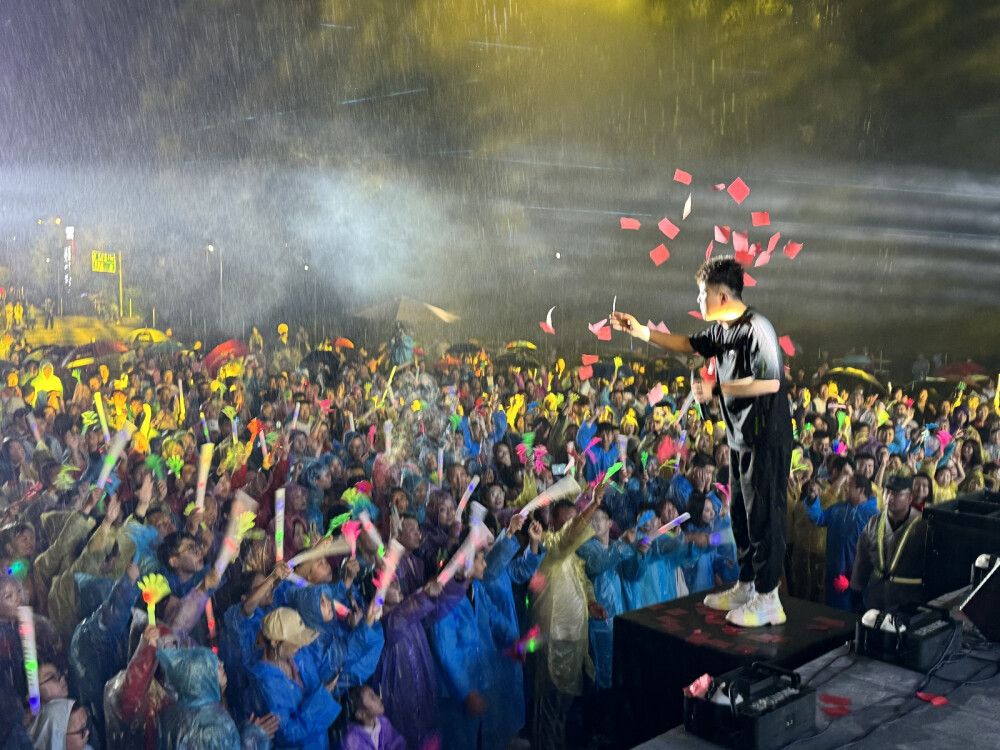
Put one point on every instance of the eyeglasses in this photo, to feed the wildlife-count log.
(57, 675)
(82, 732)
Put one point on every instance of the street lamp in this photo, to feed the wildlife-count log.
(315, 306)
(211, 249)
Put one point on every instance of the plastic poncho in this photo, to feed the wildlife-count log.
(604, 566)
(719, 560)
(504, 568)
(197, 720)
(466, 644)
(48, 730)
(844, 524)
(405, 674)
(561, 610)
(63, 604)
(410, 574)
(133, 699)
(358, 738)
(310, 472)
(656, 576)
(305, 711)
(98, 650)
(679, 491)
(236, 650)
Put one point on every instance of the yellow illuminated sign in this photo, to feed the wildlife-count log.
(103, 262)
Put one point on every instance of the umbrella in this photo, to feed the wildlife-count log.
(88, 354)
(521, 345)
(445, 362)
(321, 358)
(344, 343)
(167, 347)
(407, 310)
(223, 353)
(843, 376)
(517, 358)
(467, 348)
(146, 336)
(960, 370)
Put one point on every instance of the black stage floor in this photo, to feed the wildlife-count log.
(661, 649)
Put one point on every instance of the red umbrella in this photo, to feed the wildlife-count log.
(223, 353)
(960, 370)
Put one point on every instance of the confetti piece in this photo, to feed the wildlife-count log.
(934, 700)
(718, 188)
(627, 223)
(668, 228)
(748, 280)
(659, 254)
(731, 630)
(604, 334)
(785, 342)
(835, 712)
(590, 359)
(792, 249)
(773, 242)
(834, 700)
(762, 260)
(841, 584)
(595, 327)
(740, 243)
(586, 372)
(695, 314)
(755, 248)
(547, 324)
(682, 177)
(656, 394)
(760, 218)
(661, 326)
(687, 208)
(708, 252)
(738, 190)
(722, 234)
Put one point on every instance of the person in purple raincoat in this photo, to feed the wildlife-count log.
(370, 730)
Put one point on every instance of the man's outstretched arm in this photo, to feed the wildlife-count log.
(671, 341)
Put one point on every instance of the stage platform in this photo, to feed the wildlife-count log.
(661, 649)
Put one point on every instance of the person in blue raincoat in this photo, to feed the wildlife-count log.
(466, 646)
(605, 562)
(718, 565)
(601, 456)
(97, 651)
(697, 478)
(295, 682)
(197, 720)
(844, 522)
(476, 440)
(507, 565)
(317, 479)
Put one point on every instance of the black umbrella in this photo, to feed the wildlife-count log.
(518, 358)
(463, 349)
(321, 358)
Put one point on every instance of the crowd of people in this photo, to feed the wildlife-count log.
(385, 555)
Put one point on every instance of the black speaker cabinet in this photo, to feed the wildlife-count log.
(959, 531)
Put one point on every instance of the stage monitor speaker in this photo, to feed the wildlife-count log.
(983, 605)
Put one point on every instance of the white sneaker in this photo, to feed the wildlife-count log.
(762, 609)
(732, 598)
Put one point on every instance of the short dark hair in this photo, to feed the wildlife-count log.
(702, 459)
(840, 462)
(170, 545)
(724, 271)
(863, 483)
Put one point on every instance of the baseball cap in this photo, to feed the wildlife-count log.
(899, 483)
(284, 624)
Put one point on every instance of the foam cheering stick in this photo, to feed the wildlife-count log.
(622, 447)
(210, 621)
(468, 493)
(330, 548)
(392, 558)
(279, 524)
(528, 644)
(440, 468)
(352, 529)
(115, 451)
(154, 588)
(350, 420)
(295, 418)
(666, 527)
(33, 423)
(563, 488)
(263, 444)
(99, 405)
(239, 524)
(387, 429)
(26, 627)
(341, 609)
(479, 536)
(204, 426)
(369, 527)
(204, 464)
(337, 521)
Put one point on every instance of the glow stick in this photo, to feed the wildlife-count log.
(26, 627)
(154, 588)
(392, 558)
(622, 447)
(478, 538)
(332, 548)
(341, 609)
(115, 451)
(210, 619)
(350, 419)
(204, 426)
(441, 467)
(563, 488)
(204, 464)
(263, 444)
(99, 405)
(351, 530)
(181, 410)
(295, 418)
(387, 429)
(279, 524)
(33, 423)
(242, 503)
(297, 580)
(666, 527)
(468, 494)
(369, 527)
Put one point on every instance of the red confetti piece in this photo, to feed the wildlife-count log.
(659, 254)
(762, 260)
(731, 630)
(682, 177)
(785, 342)
(722, 234)
(627, 223)
(695, 314)
(760, 218)
(744, 258)
(748, 280)
(835, 700)
(755, 248)
(604, 334)
(590, 359)
(668, 228)
(841, 584)
(586, 372)
(708, 252)
(773, 242)
(738, 190)
(934, 700)
(835, 712)
(719, 187)
(792, 249)
(546, 327)
(740, 243)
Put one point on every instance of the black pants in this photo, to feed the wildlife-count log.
(758, 487)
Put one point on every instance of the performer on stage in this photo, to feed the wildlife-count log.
(758, 428)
